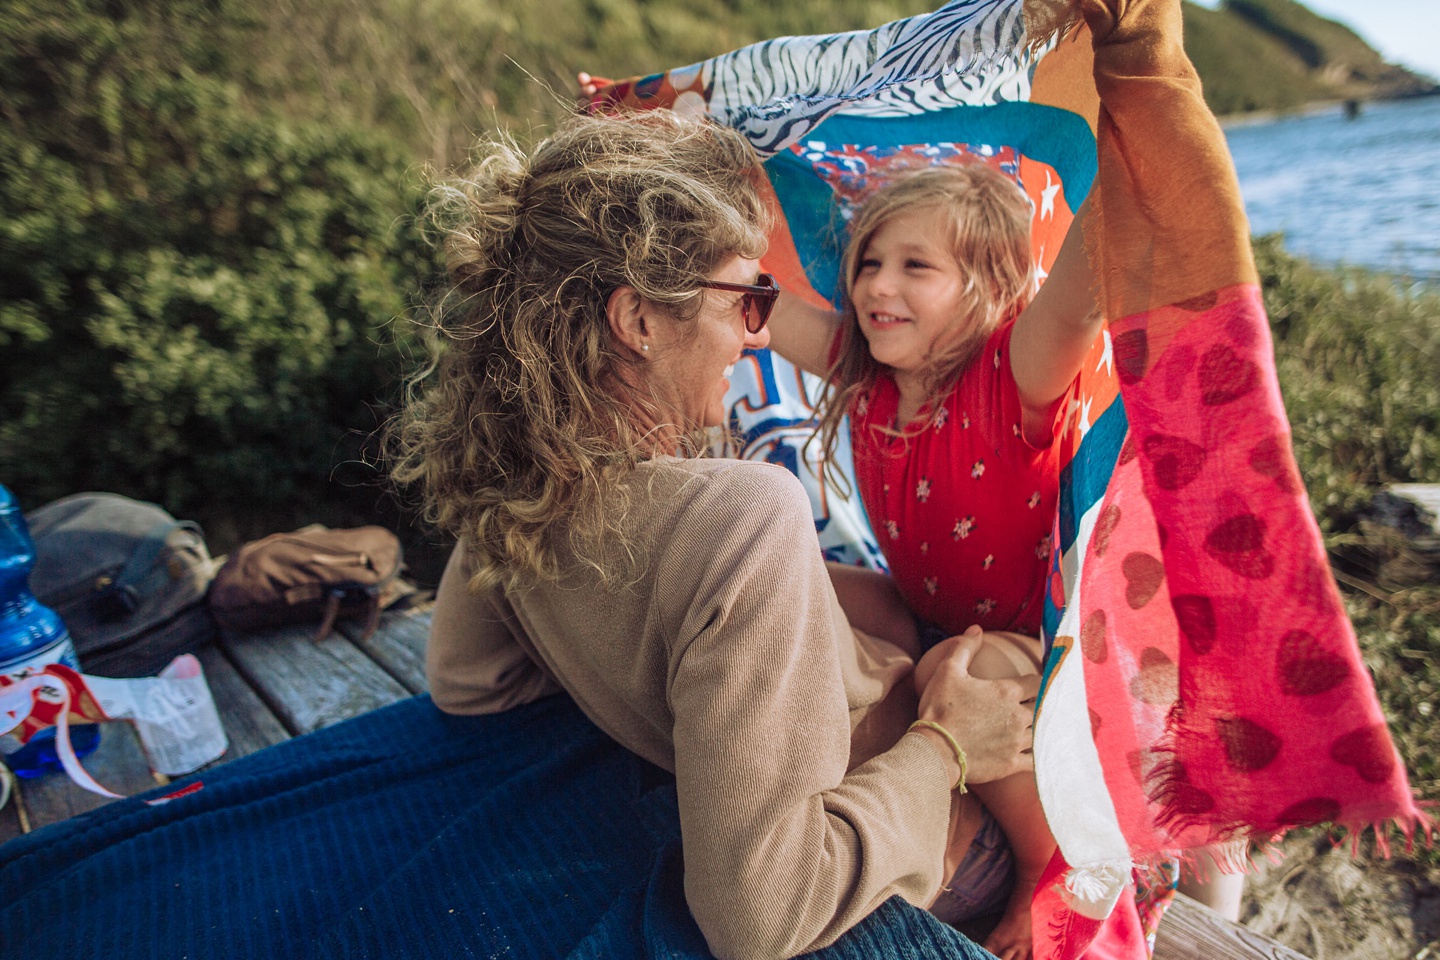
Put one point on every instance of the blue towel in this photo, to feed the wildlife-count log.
(404, 833)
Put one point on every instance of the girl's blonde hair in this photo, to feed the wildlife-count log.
(522, 427)
(987, 219)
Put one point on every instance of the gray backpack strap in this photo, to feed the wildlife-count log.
(121, 596)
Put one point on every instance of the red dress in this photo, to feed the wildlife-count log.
(963, 508)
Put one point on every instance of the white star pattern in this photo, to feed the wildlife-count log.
(1040, 272)
(1085, 423)
(1047, 197)
(1107, 358)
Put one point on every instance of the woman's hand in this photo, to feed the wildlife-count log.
(990, 719)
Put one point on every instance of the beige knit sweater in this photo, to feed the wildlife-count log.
(802, 804)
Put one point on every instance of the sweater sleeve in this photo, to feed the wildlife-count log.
(784, 850)
(473, 660)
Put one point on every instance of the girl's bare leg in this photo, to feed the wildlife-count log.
(1221, 892)
(1014, 802)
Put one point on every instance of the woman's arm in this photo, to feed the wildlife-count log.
(785, 848)
(1054, 333)
(473, 662)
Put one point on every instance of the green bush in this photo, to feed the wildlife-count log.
(197, 292)
(1357, 356)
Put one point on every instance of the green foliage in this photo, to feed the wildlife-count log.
(195, 291)
(1357, 357)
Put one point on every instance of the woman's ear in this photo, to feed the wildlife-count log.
(626, 311)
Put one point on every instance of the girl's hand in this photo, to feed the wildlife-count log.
(589, 86)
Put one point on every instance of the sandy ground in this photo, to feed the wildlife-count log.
(1330, 906)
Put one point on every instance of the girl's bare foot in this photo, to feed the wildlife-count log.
(1011, 940)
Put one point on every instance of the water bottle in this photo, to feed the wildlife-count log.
(31, 637)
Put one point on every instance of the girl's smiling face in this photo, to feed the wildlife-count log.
(908, 292)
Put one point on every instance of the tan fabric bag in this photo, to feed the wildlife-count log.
(311, 574)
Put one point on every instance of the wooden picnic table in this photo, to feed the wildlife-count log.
(271, 686)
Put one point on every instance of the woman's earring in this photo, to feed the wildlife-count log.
(645, 347)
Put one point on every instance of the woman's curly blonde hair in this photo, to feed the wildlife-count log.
(521, 428)
(987, 218)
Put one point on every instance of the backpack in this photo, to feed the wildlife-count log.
(127, 578)
(311, 574)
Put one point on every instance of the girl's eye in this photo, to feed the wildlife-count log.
(869, 264)
(913, 264)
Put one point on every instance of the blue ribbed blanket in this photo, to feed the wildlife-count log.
(404, 833)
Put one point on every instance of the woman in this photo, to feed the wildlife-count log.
(602, 286)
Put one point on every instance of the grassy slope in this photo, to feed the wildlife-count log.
(1242, 68)
(1277, 55)
(438, 71)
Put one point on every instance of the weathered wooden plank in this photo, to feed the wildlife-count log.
(398, 645)
(118, 763)
(249, 724)
(1191, 931)
(308, 683)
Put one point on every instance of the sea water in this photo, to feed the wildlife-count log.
(1362, 191)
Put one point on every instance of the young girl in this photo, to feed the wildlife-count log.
(953, 378)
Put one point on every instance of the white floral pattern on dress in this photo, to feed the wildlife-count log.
(988, 562)
(1042, 549)
(942, 417)
(984, 606)
(931, 585)
(978, 470)
(925, 548)
(892, 528)
(1034, 500)
(963, 528)
(922, 490)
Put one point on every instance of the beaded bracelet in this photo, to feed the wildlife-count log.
(950, 739)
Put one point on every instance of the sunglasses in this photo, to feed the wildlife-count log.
(758, 301)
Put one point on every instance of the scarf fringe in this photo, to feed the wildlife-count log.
(1175, 816)
(1046, 20)
(1095, 887)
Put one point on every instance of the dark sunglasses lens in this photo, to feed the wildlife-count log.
(759, 305)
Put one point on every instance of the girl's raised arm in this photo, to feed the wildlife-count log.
(1053, 334)
(802, 333)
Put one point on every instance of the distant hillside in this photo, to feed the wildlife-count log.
(1277, 55)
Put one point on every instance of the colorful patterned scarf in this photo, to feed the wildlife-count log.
(1203, 681)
